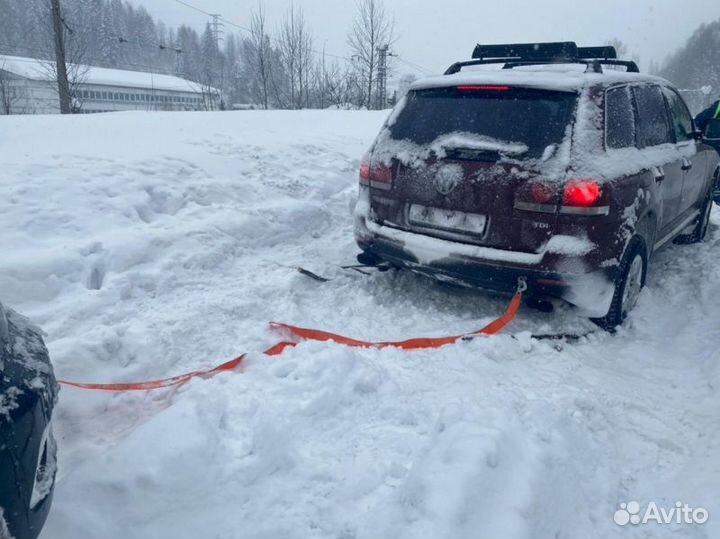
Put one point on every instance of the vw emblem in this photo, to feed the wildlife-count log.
(447, 179)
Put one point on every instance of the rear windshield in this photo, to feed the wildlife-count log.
(535, 119)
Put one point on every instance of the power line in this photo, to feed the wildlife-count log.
(248, 30)
(193, 7)
(416, 66)
(426, 70)
(123, 40)
(217, 20)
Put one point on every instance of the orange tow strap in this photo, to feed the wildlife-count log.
(312, 335)
(410, 344)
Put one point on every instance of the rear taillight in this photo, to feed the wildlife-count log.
(581, 193)
(584, 197)
(537, 196)
(579, 197)
(543, 193)
(365, 172)
(376, 174)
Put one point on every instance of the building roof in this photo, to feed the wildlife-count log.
(34, 69)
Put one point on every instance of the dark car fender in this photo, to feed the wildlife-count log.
(28, 392)
(638, 208)
(647, 229)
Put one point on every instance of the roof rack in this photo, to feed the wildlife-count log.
(525, 54)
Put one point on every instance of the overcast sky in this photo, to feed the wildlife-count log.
(435, 33)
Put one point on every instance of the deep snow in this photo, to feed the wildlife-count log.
(148, 245)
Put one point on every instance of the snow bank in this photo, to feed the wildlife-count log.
(147, 245)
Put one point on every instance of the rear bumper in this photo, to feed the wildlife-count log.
(489, 269)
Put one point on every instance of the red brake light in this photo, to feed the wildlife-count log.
(364, 171)
(381, 173)
(483, 88)
(375, 174)
(582, 193)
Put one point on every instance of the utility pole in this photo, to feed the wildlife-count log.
(217, 28)
(383, 54)
(179, 64)
(61, 67)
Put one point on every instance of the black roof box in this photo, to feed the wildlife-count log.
(560, 52)
(593, 53)
(527, 51)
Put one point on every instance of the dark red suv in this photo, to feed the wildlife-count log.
(567, 167)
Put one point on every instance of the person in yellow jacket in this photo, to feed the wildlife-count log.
(710, 113)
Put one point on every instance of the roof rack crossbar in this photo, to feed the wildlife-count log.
(511, 63)
(630, 65)
(593, 66)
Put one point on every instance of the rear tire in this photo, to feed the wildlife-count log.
(629, 283)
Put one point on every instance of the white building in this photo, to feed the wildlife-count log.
(28, 86)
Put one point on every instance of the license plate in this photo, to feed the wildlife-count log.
(453, 221)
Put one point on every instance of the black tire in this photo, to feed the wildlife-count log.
(628, 275)
(701, 226)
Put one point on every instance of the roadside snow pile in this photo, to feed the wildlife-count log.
(148, 245)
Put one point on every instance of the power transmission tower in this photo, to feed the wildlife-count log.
(180, 64)
(217, 28)
(383, 54)
(61, 66)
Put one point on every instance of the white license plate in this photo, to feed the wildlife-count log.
(454, 221)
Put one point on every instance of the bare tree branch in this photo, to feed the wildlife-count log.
(259, 55)
(371, 29)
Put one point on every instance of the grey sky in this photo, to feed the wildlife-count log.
(435, 33)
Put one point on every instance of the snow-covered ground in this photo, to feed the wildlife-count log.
(147, 245)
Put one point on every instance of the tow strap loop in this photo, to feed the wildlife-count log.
(311, 335)
(157, 384)
(228, 366)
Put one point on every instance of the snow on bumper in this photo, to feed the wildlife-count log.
(490, 268)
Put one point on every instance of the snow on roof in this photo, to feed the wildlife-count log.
(34, 69)
(560, 78)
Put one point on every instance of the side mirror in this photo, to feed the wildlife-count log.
(697, 135)
(712, 132)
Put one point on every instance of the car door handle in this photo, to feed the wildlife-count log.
(687, 165)
(659, 174)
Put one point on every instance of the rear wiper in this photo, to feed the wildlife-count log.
(473, 154)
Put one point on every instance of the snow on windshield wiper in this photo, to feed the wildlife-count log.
(469, 141)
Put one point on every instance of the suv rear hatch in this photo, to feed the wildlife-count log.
(453, 160)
